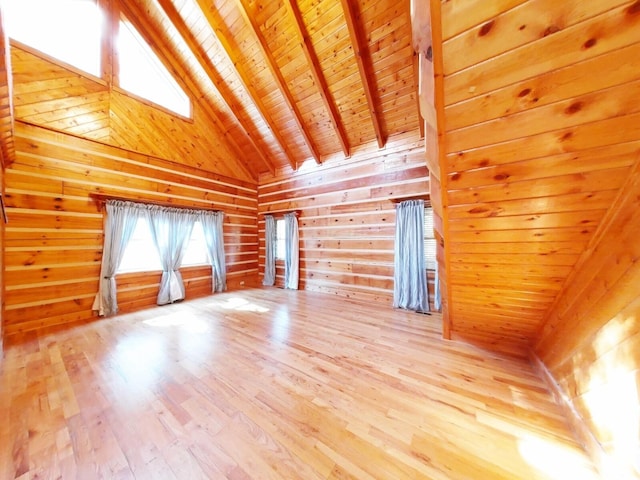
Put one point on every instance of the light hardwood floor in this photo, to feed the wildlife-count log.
(274, 384)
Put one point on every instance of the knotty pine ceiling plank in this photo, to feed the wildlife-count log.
(217, 27)
(365, 69)
(280, 81)
(206, 63)
(314, 65)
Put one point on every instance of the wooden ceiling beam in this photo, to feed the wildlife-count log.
(416, 76)
(364, 68)
(7, 146)
(207, 65)
(277, 75)
(108, 52)
(217, 26)
(137, 16)
(318, 76)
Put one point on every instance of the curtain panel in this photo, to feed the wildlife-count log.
(212, 224)
(270, 239)
(120, 222)
(291, 252)
(171, 230)
(410, 273)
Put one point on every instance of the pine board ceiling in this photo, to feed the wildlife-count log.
(291, 81)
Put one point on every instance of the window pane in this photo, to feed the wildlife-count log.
(196, 253)
(141, 254)
(281, 239)
(429, 239)
(142, 73)
(69, 30)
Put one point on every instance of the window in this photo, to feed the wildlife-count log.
(69, 30)
(280, 239)
(429, 239)
(196, 253)
(142, 73)
(141, 254)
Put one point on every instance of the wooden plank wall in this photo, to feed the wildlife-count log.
(53, 243)
(590, 342)
(6, 147)
(540, 131)
(6, 97)
(347, 217)
(2, 275)
(59, 97)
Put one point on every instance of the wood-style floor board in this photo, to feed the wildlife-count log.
(274, 384)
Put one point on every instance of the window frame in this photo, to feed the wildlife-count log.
(430, 242)
(136, 237)
(124, 269)
(44, 47)
(202, 242)
(280, 240)
(123, 23)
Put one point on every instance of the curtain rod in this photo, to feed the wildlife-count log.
(101, 199)
(281, 212)
(426, 197)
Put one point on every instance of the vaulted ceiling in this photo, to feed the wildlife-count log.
(275, 83)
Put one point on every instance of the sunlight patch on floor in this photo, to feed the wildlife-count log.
(556, 461)
(187, 321)
(240, 304)
(138, 360)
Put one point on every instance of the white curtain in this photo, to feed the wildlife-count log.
(291, 252)
(270, 239)
(212, 223)
(171, 230)
(410, 273)
(120, 223)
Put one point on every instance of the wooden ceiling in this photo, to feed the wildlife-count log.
(279, 82)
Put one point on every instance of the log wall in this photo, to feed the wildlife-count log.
(347, 217)
(54, 238)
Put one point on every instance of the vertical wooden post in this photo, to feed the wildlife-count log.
(427, 42)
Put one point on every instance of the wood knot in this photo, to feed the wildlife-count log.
(484, 162)
(476, 210)
(634, 9)
(566, 136)
(455, 176)
(522, 27)
(551, 29)
(573, 108)
(589, 43)
(486, 28)
(501, 176)
(524, 92)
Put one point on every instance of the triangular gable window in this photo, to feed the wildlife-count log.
(142, 73)
(68, 30)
